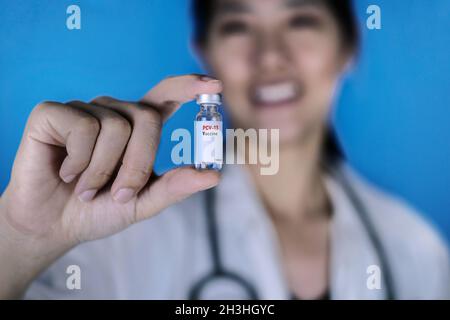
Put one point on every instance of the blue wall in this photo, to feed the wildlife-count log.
(393, 115)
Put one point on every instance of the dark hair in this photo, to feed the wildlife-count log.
(342, 10)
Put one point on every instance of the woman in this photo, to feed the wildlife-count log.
(314, 230)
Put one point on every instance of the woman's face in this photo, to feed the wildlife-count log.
(279, 61)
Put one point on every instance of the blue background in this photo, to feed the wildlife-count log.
(393, 114)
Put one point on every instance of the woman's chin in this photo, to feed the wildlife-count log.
(290, 135)
(288, 131)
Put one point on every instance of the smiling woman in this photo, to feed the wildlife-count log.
(233, 25)
(281, 62)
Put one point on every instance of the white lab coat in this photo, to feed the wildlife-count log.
(162, 257)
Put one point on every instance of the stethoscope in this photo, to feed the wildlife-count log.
(219, 274)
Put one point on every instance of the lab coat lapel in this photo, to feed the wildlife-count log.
(242, 215)
(351, 250)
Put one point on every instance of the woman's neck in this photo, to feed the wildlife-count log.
(297, 192)
(298, 204)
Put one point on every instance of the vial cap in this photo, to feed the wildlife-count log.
(209, 99)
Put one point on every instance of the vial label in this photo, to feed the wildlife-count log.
(208, 142)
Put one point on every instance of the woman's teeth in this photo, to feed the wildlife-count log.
(276, 93)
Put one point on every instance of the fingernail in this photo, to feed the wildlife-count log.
(124, 195)
(208, 79)
(69, 179)
(87, 195)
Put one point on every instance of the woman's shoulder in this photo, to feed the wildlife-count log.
(411, 240)
(393, 212)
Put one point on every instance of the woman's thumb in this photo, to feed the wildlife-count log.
(173, 187)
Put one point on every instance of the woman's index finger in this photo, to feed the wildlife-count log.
(168, 95)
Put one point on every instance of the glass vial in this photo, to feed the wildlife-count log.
(208, 153)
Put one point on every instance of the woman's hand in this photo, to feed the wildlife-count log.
(84, 171)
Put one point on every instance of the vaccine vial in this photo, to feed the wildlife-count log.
(208, 153)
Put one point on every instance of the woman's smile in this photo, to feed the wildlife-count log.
(275, 94)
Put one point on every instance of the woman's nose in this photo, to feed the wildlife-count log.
(270, 53)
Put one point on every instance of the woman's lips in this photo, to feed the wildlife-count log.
(275, 94)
